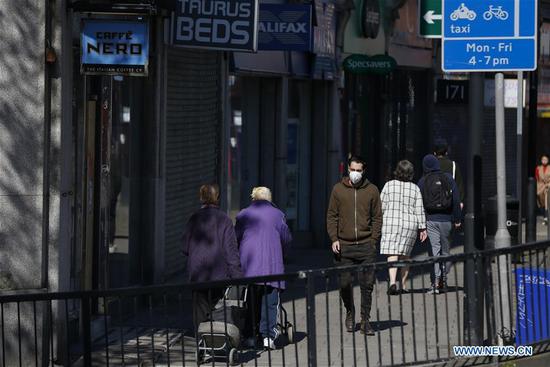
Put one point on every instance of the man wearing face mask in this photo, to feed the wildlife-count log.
(354, 225)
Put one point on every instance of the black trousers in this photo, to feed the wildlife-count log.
(204, 301)
(357, 255)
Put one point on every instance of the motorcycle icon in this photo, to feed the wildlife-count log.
(495, 11)
(463, 13)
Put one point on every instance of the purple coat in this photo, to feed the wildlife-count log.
(263, 239)
(210, 245)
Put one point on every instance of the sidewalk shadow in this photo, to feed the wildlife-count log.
(298, 337)
(387, 324)
(249, 355)
(450, 289)
(454, 289)
(416, 291)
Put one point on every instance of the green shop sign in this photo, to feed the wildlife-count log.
(363, 64)
(429, 18)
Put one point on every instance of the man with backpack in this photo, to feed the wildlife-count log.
(441, 151)
(442, 205)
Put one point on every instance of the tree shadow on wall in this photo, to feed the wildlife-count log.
(22, 98)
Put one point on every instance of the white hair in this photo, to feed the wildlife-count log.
(261, 193)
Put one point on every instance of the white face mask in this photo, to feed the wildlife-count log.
(355, 177)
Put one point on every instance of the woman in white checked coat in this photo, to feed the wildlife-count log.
(404, 220)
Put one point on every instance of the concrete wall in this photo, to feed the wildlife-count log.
(21, 141)
(23, 112)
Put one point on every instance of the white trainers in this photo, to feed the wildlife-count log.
(269, 343)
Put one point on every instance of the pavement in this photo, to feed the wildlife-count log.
(409, 328)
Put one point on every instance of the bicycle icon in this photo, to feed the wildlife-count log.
(495, 11)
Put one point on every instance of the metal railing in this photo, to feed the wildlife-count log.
(154, 325)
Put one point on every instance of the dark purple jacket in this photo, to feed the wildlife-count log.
(210, 245)
(263, 238)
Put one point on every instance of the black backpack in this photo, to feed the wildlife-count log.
(437, 193)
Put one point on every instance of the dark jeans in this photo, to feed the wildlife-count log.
(263, 308)
(204, 301)
(357, 255)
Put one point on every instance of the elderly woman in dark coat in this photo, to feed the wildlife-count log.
(210, 244)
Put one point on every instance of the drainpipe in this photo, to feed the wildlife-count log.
(44, 281)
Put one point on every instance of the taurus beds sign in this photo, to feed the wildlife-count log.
(216, 24)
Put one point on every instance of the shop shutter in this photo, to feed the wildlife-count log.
(452, 123)
(192, 140)
(489, 153)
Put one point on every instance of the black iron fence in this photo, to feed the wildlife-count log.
(508, 304)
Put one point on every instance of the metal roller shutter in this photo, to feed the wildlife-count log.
(192, 140)
(452, 123)
(489, 153)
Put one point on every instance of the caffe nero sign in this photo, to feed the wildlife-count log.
(362, 64)
(216, 24)
(114, 47)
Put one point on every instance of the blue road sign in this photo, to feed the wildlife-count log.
(493, 35)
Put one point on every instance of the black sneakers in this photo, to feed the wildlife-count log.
(366, 328)
(350, 322)
(392, 290)
(440, 286)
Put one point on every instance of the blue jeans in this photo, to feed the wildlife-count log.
(270, 311)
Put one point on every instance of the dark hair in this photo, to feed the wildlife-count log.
(544, 155)
(209, 194)
(356, 159)
(441, 147)
(404, 171)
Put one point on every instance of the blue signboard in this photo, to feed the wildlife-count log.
(495, 35)
(285, 27)
(220, 25)
(533, 305)
(324, 40)
(114, 47)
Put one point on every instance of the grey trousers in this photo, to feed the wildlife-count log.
(439, 234)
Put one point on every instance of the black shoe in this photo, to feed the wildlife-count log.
(366, 328)
(392, 290)
(433, 289)
(442, 286)
(350, 322)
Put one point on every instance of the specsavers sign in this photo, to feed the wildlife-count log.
(362, 64)
(216, 24)
(114, 47)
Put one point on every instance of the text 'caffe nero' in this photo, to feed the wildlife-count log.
(114, 47)
(216, 24)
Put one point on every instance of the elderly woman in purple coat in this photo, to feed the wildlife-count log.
(263, 237)
(210, 244)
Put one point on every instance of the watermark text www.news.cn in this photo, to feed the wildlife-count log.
(493, 351)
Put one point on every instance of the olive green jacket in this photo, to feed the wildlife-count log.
(354, 214)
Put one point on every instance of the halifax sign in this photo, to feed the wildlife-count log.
(216, 24)
(285, 27)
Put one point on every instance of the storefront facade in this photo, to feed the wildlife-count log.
(387, 113)
(283, 131)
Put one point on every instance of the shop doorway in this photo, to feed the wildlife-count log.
(111, 184)
(387, 121)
